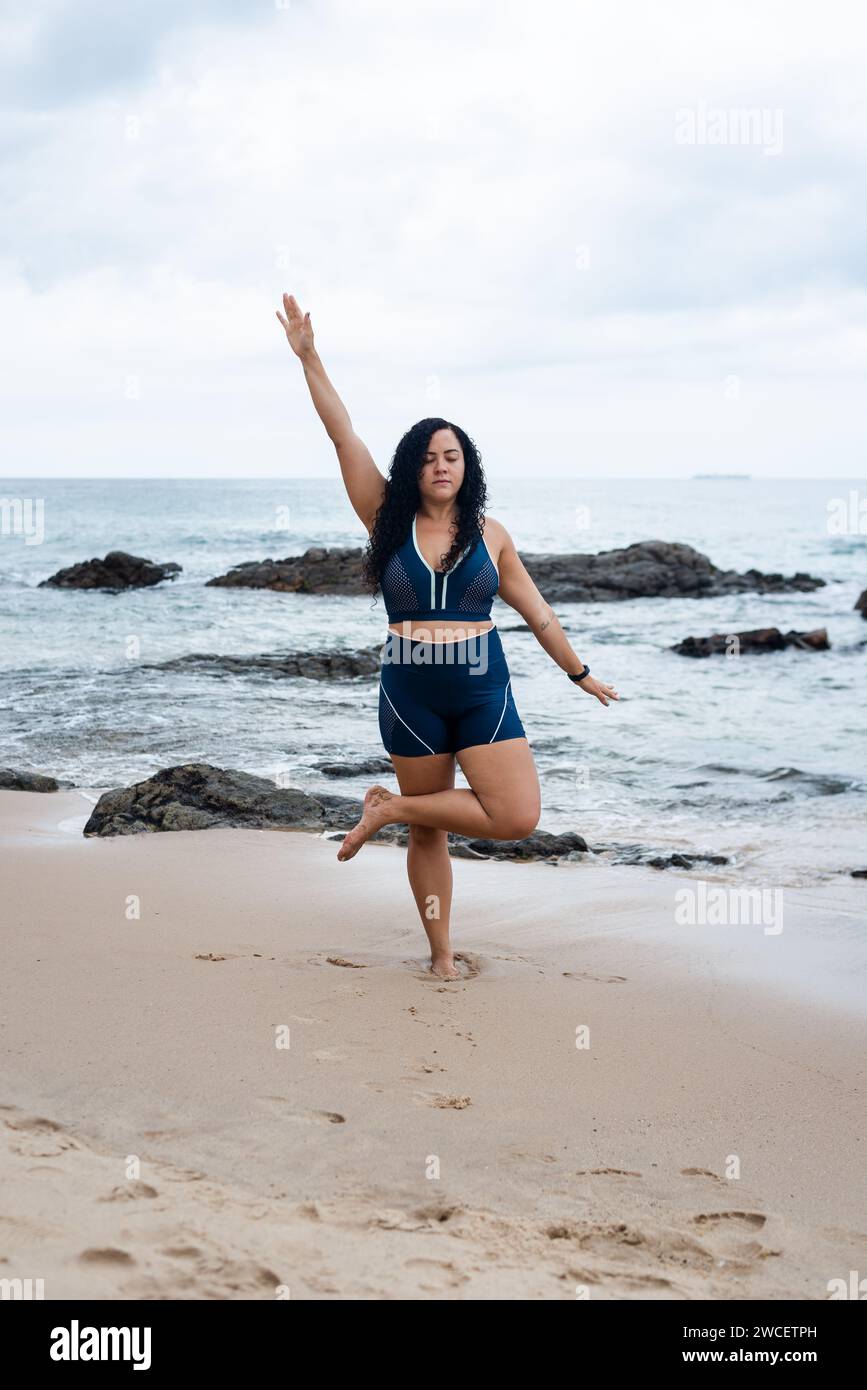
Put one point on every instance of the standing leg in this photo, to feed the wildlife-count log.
(427, 858)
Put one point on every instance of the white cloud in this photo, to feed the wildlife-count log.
(485, 209)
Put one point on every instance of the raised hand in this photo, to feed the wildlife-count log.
(299, 329)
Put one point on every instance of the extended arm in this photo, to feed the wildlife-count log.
(364, 483)
(518, 590)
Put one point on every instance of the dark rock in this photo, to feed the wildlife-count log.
(368, 767)
(859, 873)
(12, 780)
(638, 854)
(117, 571)
(197, 796)
(684, 861)
(762, 639)
(539, 845)
(647, 569)
(317, 571)
(316, 665)
(861, 605)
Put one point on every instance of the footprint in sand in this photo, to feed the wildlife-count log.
(729, 1220)
(438, 1213)
(533, 1157)
(729, 1236)
(452, 1277)
(646, 1282)
(175, 1265)
(110, 1256)
(279, 1105)
(131, 1192)
(210, 1273)
(37, 1137)
(607, 1173)
(443, 1102)
(468, 963)
(596, 979)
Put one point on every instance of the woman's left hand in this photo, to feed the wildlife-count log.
(603, 692)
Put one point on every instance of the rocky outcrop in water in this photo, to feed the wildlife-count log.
(638, 854)
(315, 665)
(198, 796)
(12, 780)
(318, 571)
(117, 571)
(761, 639)
(539, 845)
(367, 767)
(648, 569)
(861, 605)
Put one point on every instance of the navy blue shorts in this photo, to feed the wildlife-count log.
(440, 697)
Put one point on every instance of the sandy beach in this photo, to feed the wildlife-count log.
(415, 1139)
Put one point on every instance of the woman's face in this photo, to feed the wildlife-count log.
(442, 472)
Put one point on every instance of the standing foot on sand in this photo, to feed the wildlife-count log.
(444, 967)
(373, 818)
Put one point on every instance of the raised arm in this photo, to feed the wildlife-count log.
(364, 483)
(519, 591)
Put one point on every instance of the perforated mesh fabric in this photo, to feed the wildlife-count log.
(481, 590)
(387, 720)
(398, 589)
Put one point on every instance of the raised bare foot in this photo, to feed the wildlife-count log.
(444, 967)
(372, 819)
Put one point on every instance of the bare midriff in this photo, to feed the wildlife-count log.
(427, 630)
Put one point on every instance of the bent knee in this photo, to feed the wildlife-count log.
(516, 825)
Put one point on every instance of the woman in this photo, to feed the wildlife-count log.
(445, 692)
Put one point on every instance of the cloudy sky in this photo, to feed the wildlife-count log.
(620, 239)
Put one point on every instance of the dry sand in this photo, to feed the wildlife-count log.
(416, 1139)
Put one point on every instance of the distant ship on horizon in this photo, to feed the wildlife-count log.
(722, 475)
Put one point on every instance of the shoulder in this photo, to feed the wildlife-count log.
(497, 538)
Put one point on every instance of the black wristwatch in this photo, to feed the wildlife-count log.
(580, 676)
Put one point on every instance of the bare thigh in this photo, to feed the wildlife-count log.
(417, 776)
(504, 778)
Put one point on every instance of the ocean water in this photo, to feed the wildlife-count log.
(762, 758)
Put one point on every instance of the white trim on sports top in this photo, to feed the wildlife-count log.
(433, 572)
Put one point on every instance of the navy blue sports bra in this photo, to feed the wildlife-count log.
(412, 589)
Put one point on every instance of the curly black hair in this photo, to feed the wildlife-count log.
(401, 498)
